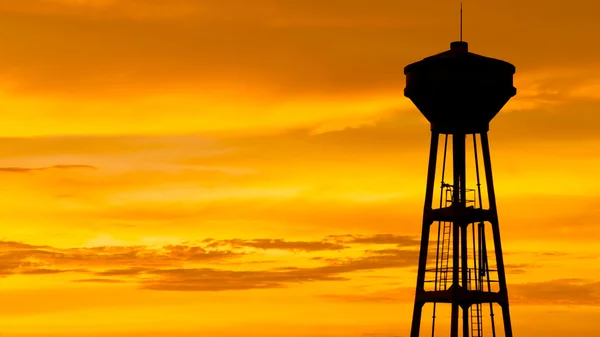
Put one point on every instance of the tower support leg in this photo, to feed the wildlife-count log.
(458, 204)
(465, 277)
(485, 147)
(454, 322)
(465, 310)
(418, 308)
(506, 319)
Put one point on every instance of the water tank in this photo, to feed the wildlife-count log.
(459, 91)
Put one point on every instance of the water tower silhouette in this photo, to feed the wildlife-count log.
(460, 93)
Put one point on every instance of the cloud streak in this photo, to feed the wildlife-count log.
(399, 240)
(216, 280)
(198, 267)
(557, 292)
(205, 267)
(54, 167)
(305, 246)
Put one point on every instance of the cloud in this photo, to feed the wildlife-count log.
(55, 167)
(108, 145)
(399, 240)
(556, 292)
(219, 280)
(306, 246)
(132, 271)
(28, 259)
(521, 268)
(8, 245)
(214, 265)
(195, 267)
(97, 280)
(211, 279)
(45, 271)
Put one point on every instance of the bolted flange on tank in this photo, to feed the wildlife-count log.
(458, 91)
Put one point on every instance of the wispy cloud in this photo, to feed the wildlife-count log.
(306, 246)
(97, 280)
(557, 292)
(55, 167)
(198, 267)
(214, 280)
(211, 265)
(400, 240)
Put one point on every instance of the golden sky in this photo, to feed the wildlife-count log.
(216, 167)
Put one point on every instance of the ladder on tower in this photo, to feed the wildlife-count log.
(445, 255)
(445, 244)
(474, 283)
(476, 320)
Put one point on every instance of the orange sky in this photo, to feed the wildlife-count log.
(216, 167)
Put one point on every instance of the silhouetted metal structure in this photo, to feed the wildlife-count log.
(459, 93)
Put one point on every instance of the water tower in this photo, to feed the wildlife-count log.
(459, 93)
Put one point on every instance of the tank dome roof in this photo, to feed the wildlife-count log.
(459, 55)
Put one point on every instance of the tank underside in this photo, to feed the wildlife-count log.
(460, 109)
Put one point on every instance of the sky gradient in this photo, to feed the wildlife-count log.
(210, 168)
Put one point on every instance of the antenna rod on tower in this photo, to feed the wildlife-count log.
(461, 21)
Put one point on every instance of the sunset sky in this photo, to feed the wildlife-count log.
(178, 168)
